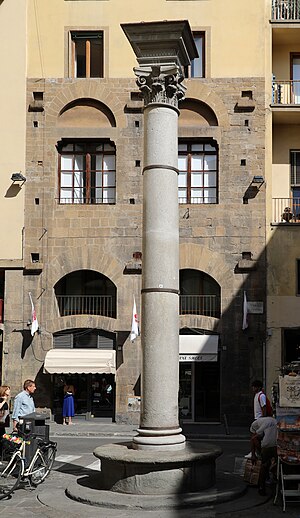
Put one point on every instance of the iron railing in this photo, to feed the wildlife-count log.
(207, 305)
(286, 210)
(87, 201)
(103, 305)
(288, 10)
(286, 92)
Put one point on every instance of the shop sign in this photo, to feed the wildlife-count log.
(198, 357)
(255, 307)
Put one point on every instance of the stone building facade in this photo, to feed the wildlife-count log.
(77, 246)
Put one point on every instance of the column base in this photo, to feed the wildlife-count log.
(152, 439)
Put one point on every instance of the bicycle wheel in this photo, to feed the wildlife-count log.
(10, 476)
(42, 465)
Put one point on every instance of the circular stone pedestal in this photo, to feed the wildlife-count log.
(148, 480)
(150, 472)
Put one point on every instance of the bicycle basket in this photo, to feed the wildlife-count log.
(10, 443)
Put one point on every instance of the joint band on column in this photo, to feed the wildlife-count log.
(159, 290)
(161, 166)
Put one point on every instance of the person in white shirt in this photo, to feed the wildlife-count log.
(260, 400)
(264, 443)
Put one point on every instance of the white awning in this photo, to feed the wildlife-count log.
(80, 361)
(198, 348)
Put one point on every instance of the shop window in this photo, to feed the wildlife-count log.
(87, 172)
(198, 172)
(87, 53)
(291, 351)
(197, 66)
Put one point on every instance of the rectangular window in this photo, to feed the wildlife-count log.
(87, 172)
(197, 66)
(87, 53)
(198, 172)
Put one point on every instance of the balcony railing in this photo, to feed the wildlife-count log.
(207, 305)
(286, 92)
(286, 210)
(288, 10)
(103, 305)
(87, 201)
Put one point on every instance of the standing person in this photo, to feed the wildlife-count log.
(264, 443)
(68, 404)
(24, 403)
(4, 408)
(260, 400)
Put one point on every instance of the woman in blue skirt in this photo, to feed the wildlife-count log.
(68, 405)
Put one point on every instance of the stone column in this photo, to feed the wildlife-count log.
(160, 281)
(162, 49)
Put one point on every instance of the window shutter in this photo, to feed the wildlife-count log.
(64, 341)
(105, 343)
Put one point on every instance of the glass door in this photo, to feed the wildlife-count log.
(186, 388)
(295, 73)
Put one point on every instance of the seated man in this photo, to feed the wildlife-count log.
(263, 443)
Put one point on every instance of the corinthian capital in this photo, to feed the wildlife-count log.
(160, 83)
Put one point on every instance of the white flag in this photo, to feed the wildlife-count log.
(34, 321)
(245, 312)
(135, 323)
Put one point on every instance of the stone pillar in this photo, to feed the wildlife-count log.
(162, 49)
(160, 280)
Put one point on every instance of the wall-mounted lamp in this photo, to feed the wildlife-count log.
(257, 181)
(18, 177)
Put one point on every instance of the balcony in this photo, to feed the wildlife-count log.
(103, 305)
(286, 92)
(285, 10)
(206, 305)
(286, 210)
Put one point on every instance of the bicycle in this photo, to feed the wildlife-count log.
(15, 469)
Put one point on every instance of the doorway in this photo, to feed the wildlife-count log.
(199, 391)
(94, 395)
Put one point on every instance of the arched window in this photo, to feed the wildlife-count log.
(199, 294)
(86, 292)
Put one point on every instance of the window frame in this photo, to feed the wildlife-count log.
(297, 277)
(198, 141)
(86, 35)
(188, 70)
(89, 171)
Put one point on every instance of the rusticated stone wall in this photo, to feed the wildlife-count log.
(104, 237)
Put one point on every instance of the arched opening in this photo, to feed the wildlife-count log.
(86, 113)
(199, 294)
(86, 359)
(86, 292)
(196, 113)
